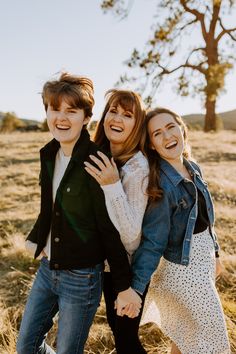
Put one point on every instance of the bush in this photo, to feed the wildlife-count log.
(11, 122)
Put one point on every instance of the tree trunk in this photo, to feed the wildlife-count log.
(210, 117)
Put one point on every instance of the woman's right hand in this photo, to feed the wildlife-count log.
(106, 171)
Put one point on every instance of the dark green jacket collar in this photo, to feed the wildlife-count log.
(79, 152)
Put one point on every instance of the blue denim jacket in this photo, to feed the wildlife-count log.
(168, 225)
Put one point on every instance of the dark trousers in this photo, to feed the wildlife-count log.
(125, 329)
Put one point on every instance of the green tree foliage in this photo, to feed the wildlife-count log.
(11, 122)
(199, 69)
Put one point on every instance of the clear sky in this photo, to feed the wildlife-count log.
(39, 38)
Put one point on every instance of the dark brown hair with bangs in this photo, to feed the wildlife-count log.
(130, 101)
(154, 190)
(77, 91)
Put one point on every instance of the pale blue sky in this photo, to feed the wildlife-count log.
(41, 37)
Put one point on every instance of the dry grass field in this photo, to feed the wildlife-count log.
(19, 205)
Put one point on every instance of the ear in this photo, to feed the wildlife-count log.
(86, 120)
(151, 146)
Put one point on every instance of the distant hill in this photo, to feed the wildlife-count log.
(27, 122)
(196, 121)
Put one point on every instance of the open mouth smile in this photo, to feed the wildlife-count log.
(116, 129)
(171, 145)
(62, 127)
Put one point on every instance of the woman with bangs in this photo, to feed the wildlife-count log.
(124, 180)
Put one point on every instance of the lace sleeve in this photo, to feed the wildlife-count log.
(126, 201)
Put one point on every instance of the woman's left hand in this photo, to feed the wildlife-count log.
(106, 172)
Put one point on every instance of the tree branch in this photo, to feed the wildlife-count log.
(215, 16)
(188, 24)
(186, 65)
(199, 16)
(225, 31)
(193, 51)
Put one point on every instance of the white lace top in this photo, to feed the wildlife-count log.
(126, 200)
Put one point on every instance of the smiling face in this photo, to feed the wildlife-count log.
(166, 137)
(118, 125)
(65, 123)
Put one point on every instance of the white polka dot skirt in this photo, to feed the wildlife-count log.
(184, 303)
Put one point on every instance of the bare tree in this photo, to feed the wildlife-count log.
(200, 68)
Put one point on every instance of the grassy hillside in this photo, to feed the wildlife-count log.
(19, 205)
(197, 120)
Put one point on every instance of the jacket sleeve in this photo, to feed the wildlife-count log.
(155, 235)
(113, 247)
(33, 235)
(126, 203)
(212, 228)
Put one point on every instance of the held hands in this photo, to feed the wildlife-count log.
(106, 172)
(128, 303)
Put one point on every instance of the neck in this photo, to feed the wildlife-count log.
(178, 164)
(67, 149)
(115, 149)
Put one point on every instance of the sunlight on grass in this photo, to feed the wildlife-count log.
(19, 206)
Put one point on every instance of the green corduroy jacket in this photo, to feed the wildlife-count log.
(82, 234)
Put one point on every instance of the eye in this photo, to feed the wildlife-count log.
(156, 134)
(171, 126)
(112, 110)
(72, 111)
(128, 115)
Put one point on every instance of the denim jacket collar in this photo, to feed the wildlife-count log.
(174, 176)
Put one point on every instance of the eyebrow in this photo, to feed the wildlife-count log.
(125, 110)
(166, 126)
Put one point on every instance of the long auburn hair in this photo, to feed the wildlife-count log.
(154, 190)
(131, 101)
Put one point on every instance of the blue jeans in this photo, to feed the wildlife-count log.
(75, 294)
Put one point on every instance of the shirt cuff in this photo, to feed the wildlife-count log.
(138, 286)
(114, 189)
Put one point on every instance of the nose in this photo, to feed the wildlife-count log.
(167, 134)
(61, 115)
(117, 117)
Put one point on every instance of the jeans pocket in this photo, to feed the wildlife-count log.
(79, 273)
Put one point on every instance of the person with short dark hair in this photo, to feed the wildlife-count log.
(73, 234)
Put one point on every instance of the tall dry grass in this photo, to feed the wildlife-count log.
(19, 205)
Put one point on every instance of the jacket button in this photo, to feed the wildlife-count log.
(56, 239)
(68, 189)
(204, 191)
(56, 265)
(57, 213)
